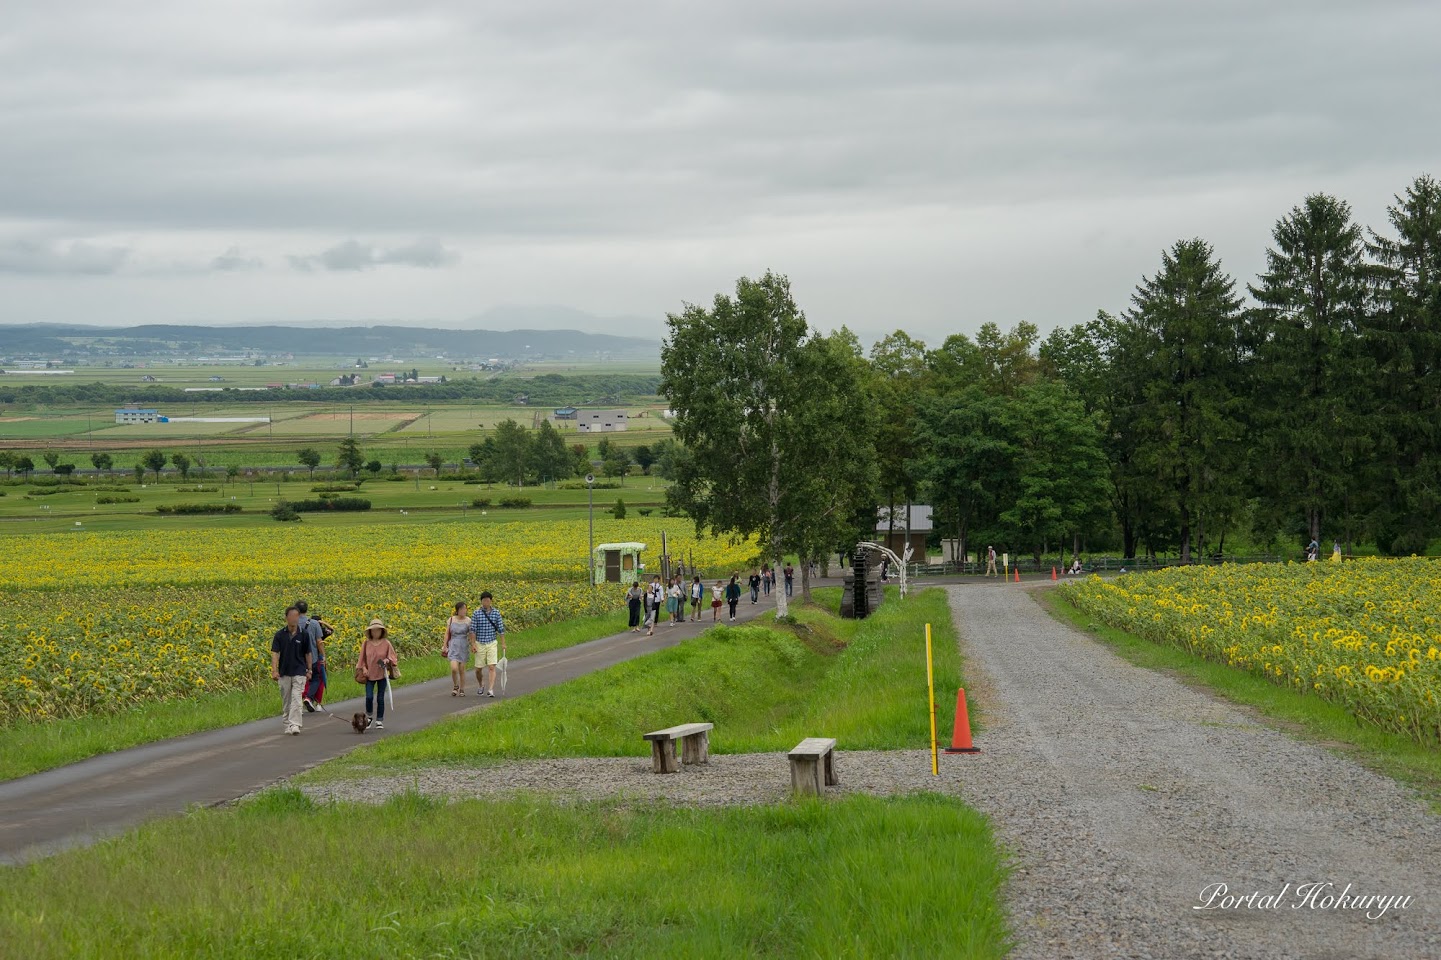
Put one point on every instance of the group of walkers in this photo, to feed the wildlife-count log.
(297, 651)
(682, 601)
(298, 665)
(645, 602)
(297, 659)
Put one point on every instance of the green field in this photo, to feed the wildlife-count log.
(34, 509)
(393, 433)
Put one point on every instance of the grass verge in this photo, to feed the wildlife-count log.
(1311, 717)
(915, 876)
(764, 686)
(33, 747)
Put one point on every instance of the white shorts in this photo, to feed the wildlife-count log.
(487, 654)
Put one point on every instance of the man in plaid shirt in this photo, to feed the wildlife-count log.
(489, 635)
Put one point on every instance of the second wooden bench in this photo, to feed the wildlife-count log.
(695, 746)
(813, 765)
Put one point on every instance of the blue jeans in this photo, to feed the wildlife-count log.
(375, 690)
(315, 689)
(789, 581)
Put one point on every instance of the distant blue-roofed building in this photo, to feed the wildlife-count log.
(137, 415)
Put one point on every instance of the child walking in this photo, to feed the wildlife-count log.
(376, 659)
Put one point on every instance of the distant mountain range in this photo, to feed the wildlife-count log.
(61, 341)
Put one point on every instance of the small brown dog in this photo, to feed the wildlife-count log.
(360, 722)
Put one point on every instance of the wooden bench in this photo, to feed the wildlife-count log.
(695, 746)
(813, 765)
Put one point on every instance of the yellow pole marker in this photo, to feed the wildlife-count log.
(931, 692)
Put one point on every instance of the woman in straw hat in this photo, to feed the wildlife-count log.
(376, 657)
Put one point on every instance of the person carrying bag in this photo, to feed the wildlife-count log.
(376, 666)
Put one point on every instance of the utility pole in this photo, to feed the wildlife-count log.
(352, 419)
(590, 497)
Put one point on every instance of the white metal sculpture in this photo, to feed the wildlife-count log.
(872, 545)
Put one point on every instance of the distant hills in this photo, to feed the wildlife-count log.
(61, 341)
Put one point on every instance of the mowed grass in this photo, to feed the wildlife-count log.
(916, 876)
(33, 747)
(764, 686)
(1311, 717)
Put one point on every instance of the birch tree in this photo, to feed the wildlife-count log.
(770, 414)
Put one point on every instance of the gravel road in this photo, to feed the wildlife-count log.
(1122, 794)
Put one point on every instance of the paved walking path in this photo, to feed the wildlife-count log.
(104, 795)
(1123, 794)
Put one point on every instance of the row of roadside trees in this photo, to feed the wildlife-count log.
(13, 463)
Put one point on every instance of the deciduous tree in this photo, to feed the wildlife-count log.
(154, 460)
(309, 458)
(765, 409)
(511, 452)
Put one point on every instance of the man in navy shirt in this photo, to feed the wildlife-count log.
(291, 660)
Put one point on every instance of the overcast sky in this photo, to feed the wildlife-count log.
(926, 165)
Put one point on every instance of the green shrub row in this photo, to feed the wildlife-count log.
(336, 503)
(187, 508)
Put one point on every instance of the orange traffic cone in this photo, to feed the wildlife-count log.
(961, 733)
(1018, 574)
(1053, 573)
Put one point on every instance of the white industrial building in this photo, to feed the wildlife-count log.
(600, 421)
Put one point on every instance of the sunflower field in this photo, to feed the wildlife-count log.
(91, 623)
(1365, 634)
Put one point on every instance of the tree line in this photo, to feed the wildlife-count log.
(551, 389)
(517, 455)
(1309, 409)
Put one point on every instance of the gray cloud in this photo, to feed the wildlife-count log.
(47, 258)
(623, 156)
(354, 255)
(232, 259)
